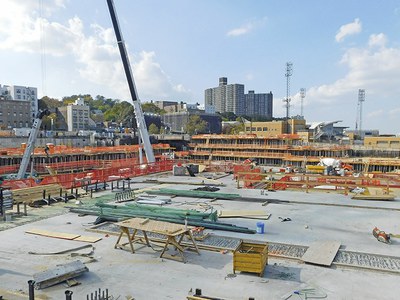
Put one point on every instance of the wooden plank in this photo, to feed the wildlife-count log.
(321, 253)
(87, 239)
(59, 235)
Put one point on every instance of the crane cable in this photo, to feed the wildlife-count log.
(42, 49)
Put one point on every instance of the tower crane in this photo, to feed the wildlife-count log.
(31, 143)
(141, 124)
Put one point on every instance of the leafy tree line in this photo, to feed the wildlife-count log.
(114, 110)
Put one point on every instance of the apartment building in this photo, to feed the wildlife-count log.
(75, 116)
(231, 98)
(14, 114)
(18, 106)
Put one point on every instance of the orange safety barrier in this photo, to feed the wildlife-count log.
(71, 180)
(8, 169)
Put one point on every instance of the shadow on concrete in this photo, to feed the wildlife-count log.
(214, 260)
(282, 273)
(3, 272)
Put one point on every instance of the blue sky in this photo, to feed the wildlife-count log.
(179, 48)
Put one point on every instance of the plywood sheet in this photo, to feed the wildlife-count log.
(87, 239)
(59, 235)
(321, 253)
(153, 226)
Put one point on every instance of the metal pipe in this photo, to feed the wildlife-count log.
(31, 284)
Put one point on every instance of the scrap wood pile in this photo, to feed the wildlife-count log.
(117, 213)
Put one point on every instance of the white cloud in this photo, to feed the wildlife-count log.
(376, 113)
(348, 29)
(375, 69)
(246, 28)
(96, 55)
(378, 40)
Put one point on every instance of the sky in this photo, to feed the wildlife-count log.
(179, 48)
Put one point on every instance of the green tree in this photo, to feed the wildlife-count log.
(153, 129)
(49, 103)
(196, 125)
(150, 107)
(120, 112)
(46, 121)
(228, 116)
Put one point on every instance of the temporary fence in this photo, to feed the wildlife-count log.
(118, 170)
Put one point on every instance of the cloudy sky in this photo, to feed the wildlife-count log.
(179, 48)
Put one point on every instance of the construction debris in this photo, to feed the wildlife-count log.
(207, 189)
(59, 274)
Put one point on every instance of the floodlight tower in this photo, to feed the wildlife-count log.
(302, 96)
(289, 71)
(361, 99)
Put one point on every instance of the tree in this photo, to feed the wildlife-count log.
(49, 103)
(150, 107)
(196, 125)
(228, 116)
(120, 112)
(153, 129)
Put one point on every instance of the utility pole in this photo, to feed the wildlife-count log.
(289, 70)
(302, 96)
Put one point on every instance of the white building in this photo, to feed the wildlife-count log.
(76, 116)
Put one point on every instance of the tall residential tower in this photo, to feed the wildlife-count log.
(231, 98)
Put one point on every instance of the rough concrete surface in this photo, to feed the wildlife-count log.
(143, 275)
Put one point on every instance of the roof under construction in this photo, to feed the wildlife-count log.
(293, 222)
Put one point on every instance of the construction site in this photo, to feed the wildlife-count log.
(232, 217)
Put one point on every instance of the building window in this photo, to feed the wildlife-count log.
(265, 129)
(18, 91)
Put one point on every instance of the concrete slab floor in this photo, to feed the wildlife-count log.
(144, 275)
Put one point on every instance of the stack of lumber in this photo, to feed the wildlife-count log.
(35, 193)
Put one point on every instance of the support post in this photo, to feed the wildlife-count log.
(31, 284)
(68, 295)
